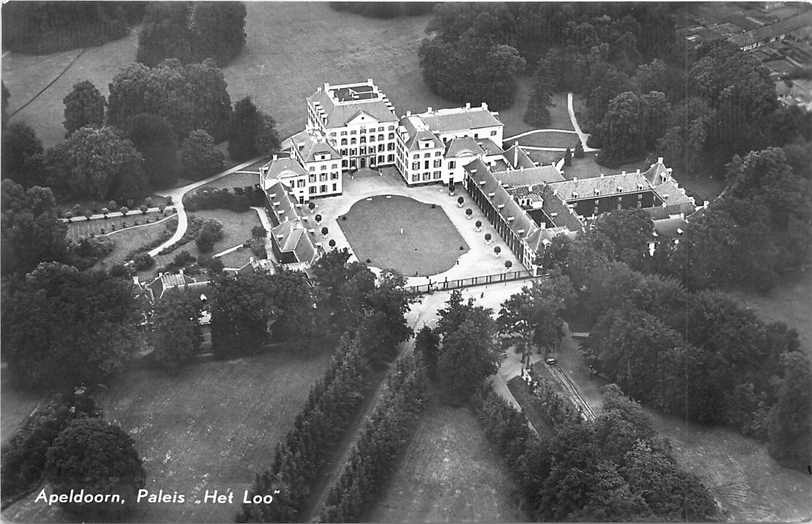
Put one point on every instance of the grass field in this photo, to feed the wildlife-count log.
(551, 139)
(132, 238)
(84, 228)
(449, 473)
(429, 243)
(545, 157)
(25, 75)
(211, 427)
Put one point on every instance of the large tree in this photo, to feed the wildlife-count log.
(623, 236)
(21, 153)
(165, 33)
(97, 457)
(198, 156)
(96, 163)
(251, 132)
(538, 113)
(31, 232)
(63, 327)
(84, 106)
(155, 140)
(176, 334)
(622, 137)
(217, 30)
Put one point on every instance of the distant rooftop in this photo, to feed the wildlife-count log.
(459, 118)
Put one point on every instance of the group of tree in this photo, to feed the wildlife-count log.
(470, 41)
(758, 231)
(210, 232)
(384, 9)
(48, 27)
(380, 445)
(251, 132)
(461, 351)
(191, 32)
(695, 354)
(63, 326)
(532, 318)
(612, 469)
(256, 308)
(67, 444)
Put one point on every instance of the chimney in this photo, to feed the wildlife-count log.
(408, 113)
(467, 105)
(429, 109)
(515, 154)
(659, 160)
(484, 106)
(326, 86)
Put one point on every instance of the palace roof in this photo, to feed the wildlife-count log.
(459, 118)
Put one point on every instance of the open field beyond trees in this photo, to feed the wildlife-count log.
(211, 427)
(277, 68)
(429, 242)
(449, 473)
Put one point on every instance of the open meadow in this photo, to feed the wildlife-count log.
(213, 426)
(449, 473)
(127, 240)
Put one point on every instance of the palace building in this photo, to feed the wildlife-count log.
(354, 126)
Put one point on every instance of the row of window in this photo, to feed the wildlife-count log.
(323, 167)
(379, 129)
(321, 189)
(367, 150)
(416, 165)
(436, 175)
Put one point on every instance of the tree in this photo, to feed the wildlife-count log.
(568, 157)
(84, 107)
(210, 232)
(198, 156)
(246, 125)
(97, 457)
(143, 261)
(165, 33)
(468, 356)
(155, 140)
(579, 150)
(21, 152)
(427, 345)
(683, 142)
(789, 421)
(217, 30)
(653, 76)
(267, 139)
(497, 250)
(64, 327)
(624, 236)
(538, 114)
(96, 163)
(31, 232)
(622, 137)
(176, 334)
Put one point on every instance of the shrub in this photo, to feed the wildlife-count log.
(217, 199)
(210, 232)
(182, 259)
(143, 261)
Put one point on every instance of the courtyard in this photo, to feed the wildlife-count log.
(396, 232)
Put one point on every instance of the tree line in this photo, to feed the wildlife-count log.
(612, 469)
(47, 27)
(692, 352)
(382, 442)
(384, 9)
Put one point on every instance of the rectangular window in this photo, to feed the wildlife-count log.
(353, 132)
(493, 133)
(437, 162)
(300, 183)
(438, 153)
(436, 175)
(343, 141)
(371, 138)
(391, 128)
(426, 163)
(415, 165)
(335, 188)
(322, 177)
(415, 178)
(390, 146)
(323, 167)
(380, 137)
(311, 189)
(334, 166)
(343, 163)
(380, 147)
(343, 133)
(312, 178)
(426, 176)
(391, 158)
(380, 128)
(451, 164)
(333, 176)
(323, 188)
(427, 155)
(311, 168)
